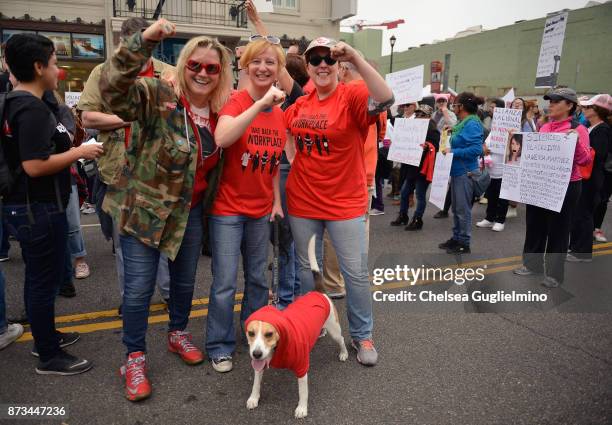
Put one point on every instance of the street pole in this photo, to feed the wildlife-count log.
(456, 79)
(392, 42)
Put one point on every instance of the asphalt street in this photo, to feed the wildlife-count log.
(441, 362)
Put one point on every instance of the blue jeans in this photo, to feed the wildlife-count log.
(349, 240)
(288, 280)
(43, 246)
(75, 237)
(228, 234)
(163, 274)
(419, 183)
(140, 262)
(462, 193)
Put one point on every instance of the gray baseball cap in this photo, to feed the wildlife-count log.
(562, 93)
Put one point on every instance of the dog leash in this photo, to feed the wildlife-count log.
(275, 277)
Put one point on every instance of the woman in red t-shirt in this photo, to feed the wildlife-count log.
(252, 132)
(327, 187)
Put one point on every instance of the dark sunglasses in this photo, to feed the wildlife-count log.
(316, 60)
(269, 38)
(211, 68)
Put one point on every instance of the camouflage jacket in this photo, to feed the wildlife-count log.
(151, 200)
(110, 163)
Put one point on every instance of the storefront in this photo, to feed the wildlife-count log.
(79, 46)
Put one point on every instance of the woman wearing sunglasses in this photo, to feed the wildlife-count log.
(158, 201)
(252, 133)
(326, 188)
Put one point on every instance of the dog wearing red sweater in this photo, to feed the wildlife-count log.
(284, 339)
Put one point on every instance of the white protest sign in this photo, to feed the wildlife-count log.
(504, 120)
(264, 6)
(408, 139)
(389, 133)
(441, 175)
(71, 98)
(407, 85)
(509, 97)
(541, 172)
(550, 50)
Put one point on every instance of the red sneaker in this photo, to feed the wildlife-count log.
(137, 386)
(180, 342)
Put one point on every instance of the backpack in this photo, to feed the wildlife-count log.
(585, 170)
(7, 175)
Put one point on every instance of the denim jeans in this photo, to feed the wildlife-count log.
(141, 262)
(163, 274)
(349, 240)
(418, 185)
(43, 247)
(75, 237)
(229, 235)
(3, 323)
(462, 193)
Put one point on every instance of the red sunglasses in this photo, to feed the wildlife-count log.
(211, 68)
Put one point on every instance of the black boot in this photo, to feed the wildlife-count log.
(401, 220)
(68, 290)
(415, 224)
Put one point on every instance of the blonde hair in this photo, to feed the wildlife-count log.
(256, 48)
(221, 93)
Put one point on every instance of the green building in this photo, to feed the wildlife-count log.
(491, 62)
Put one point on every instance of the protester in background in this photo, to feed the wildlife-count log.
(466, 146)
(548, 231)
(323, 187)
(252, 133)
(443, 117)
(602, 207)
(408, 110)
(159, 201)
(598, 112)
(9, 332)
(492, 103)
(419, 177)
(115, 135)
(35, 209)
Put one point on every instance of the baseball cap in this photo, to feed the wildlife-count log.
(425, 109)
(320, 42)
(562, 93)
(601, 100)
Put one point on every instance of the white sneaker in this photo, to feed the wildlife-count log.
(483, 201)
(374, 211)
(511, 212)
(222, 364)
(13, 332)
(598, 235)
(498, 227)
(485, 223)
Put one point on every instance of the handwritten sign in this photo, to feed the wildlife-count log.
(408, 139)
(71, 98)
(543, 173)
(407, 85)
(439, 184)
(550, 50)
(504, 120)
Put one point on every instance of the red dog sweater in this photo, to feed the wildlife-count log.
(298, 326)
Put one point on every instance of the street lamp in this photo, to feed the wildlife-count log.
(392, 41)
(456, 79)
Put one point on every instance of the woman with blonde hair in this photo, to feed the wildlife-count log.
(251, 131)
(159, 199)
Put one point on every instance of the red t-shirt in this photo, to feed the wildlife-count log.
(299, 327)
(327, 179)
(251, 162)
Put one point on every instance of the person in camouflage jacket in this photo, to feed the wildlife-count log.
(157, 201)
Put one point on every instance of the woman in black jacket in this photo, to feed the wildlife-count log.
(597, 110)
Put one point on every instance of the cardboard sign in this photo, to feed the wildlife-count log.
(407, 85)
(408, 139)
(441, 176)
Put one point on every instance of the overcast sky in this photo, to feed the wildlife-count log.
(429, 20)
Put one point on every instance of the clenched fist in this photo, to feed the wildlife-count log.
(159, 30)
(273, 97)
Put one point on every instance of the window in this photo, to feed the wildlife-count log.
(285, 4)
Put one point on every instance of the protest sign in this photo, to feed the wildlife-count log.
(264, 6)
(504, 120)
(509, 97)
(408, 139)
(71, 98)
(439, 184)
(550, 50)
(407, 85)
(540, 173)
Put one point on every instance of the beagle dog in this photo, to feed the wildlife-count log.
(284, 339)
